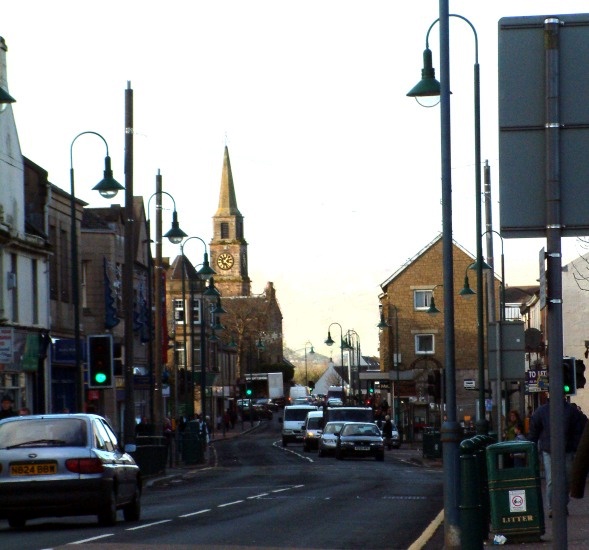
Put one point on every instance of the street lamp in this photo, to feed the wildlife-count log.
(109, 182)
(482, 427)
(175, 235)
(205, 272)
(499, 332)
(382, 325)
(432, 309)
(355, 349)
(329, 341)
(312, 351)
(450, 432)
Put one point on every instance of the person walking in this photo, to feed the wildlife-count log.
(387, 432)
(573, 424)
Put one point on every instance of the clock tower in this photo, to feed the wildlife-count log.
(228, 246)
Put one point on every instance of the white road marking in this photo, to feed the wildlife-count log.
(195, 513)
(93, 538)
(229, 503)
(259, 496)
(148, 525)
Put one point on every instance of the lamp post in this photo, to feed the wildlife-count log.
(329, 341)
(450, 432)
(499, 331)
(111, 184)
(312, 351)
(175, 235)
(482, 426)
(384, 325)
(205, 272)
(355, 350)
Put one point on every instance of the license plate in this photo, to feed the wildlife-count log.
(38, 469)
(361, 448)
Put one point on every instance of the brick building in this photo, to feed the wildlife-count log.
(412, 345)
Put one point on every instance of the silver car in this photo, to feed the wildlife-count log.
(328, 440)
(65, 465)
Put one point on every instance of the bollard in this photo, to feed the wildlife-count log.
(470, 493)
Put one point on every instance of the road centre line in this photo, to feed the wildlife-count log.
(92, 539)
(259, 496)
(148, 525)
(280, 490)
(229, 503)
(195, 513)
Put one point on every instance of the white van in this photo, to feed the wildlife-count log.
(312, 430)
(297, 391)
(293, 422)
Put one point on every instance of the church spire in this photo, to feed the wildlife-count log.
(227, 200)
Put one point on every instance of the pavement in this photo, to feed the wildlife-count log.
(433, 536)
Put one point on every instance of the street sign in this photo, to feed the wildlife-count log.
(469, 384)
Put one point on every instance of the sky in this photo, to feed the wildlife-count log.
(336, 171)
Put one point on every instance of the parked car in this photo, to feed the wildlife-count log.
(65, 465)
(328, 439)
(312, 430)
(359, 439)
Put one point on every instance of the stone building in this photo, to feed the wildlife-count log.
(24, 257)
(230, 332)
(412, 342)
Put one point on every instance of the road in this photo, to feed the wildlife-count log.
(263, 495)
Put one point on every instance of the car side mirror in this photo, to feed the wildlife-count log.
(130, 447)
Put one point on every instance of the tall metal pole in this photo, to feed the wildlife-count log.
(128, 272)
(158, 358)
(554, 278)
(450, 432)
(75, 278)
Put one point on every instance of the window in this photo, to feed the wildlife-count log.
(178, 311)
(180, 355)
(422, 299)
(35, 292)
(424, 343)
(195, 311)
(224, 230)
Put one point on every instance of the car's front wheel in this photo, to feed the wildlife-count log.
(132, 511)
(107, 517)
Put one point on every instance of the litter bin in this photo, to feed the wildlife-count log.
(432, 444)
(192, 447)
(515, 493)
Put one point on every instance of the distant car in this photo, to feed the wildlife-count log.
(267, 402)
(335, 402)
(312, 430)
(328, 439)
(65, 465)
(362, 439)
(303, 400)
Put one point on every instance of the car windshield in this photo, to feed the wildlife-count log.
(295, 414)
(37, 432)
(360, 429)
(332, 428)
(314, 422)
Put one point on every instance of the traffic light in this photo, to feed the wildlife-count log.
(248, 392)
(100, 361)
(568, 375)
(371, 388)
(579, 374)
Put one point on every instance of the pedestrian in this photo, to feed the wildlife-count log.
(24, 411)
(513, 420)
(519, 459)
(573, 424)
(387, 432)
(6, 410)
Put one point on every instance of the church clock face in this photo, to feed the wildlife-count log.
(225, 261)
